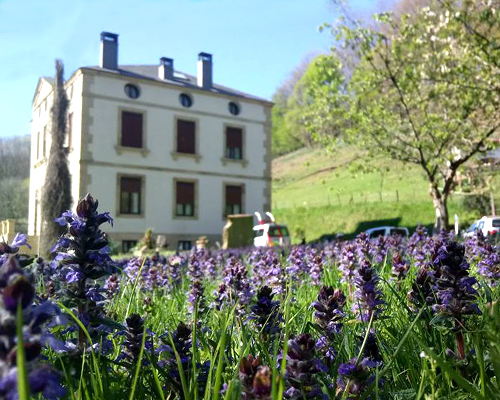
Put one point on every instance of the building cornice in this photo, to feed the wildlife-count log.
(121, 166)
(159, 83)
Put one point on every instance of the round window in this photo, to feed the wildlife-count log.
(186, 100)
(234, 108)
(132, 91)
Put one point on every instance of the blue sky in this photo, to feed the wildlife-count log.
(255, 43)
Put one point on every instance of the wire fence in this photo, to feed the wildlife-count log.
(351, 198)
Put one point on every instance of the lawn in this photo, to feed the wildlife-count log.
(321, 193)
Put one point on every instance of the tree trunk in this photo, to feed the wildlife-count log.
(440, 208)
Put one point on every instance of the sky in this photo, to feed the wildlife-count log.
(255, 43)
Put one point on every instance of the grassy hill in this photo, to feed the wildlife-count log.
(321, 193)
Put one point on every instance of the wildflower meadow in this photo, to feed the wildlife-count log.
(385, 318)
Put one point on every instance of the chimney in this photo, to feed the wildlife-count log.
(166, 68)
(109, 50)
(205, 70)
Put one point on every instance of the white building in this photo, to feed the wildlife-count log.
(159, 149)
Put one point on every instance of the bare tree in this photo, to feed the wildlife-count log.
(56, 192)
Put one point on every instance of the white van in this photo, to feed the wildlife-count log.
(268, 233)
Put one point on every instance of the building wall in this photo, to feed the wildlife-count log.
(158, 164)
(97, 160)
(159, 198)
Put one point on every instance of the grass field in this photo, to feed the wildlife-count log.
(323, 193)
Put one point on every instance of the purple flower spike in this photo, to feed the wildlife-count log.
(302, 369)
(330, 309)
(368, 299)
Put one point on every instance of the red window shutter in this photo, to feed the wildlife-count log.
(186, 136)
(131, 185)
(185, 193)
(233, 195)
(234, 137)
(131, 129)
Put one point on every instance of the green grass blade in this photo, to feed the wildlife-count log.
(22, 373)
(139, 362)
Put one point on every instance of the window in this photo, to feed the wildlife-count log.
(186, 100)
(128, 245)
(184, 245)
(377, 232)
(234, 143)
(278, 231)
(131, 129)
(398, 232)
(184, 199)
(234, 199)
(35, 226)
(186, 131)
(44, 140)
(67, 141)
(132, 91)
(234, 108)
(130, 195)
(38, 145)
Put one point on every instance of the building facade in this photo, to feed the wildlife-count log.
(160, 149)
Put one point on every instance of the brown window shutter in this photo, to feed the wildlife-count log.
(185, 193)
(186, 136)
(234, 137)
(131, 185)
(233, 195)
(131, 129)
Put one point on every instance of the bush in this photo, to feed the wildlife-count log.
(477, 203)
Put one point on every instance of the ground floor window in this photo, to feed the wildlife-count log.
(234, 199)
(185, 199)
(184, 245)
(128, 245)
(130, 195)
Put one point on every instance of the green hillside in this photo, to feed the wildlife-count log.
(321, 193)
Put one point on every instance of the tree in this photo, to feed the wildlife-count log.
(287, 136)
(427, 92)
(315, 103)
(56, 192)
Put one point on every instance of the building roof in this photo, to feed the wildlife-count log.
(150, 72)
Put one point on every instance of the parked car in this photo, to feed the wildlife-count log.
(268, 233)
(387, 231)
(489, 226)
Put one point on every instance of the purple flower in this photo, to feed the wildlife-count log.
(17, 289)
(46, 381)
(455, 288)
(354, 378)
(330, 310)
(255, 378)
(368, 299)
(302, 369)
(266, 313)
(20, 240)
(399, 266)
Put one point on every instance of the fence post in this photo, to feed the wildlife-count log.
(338, 197)
(328, 198)
(380, 196)
(397, 196)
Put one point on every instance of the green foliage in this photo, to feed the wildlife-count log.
(425, 90)
(479, 203)
(314, 103)
(14, 178)
(56, 192)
